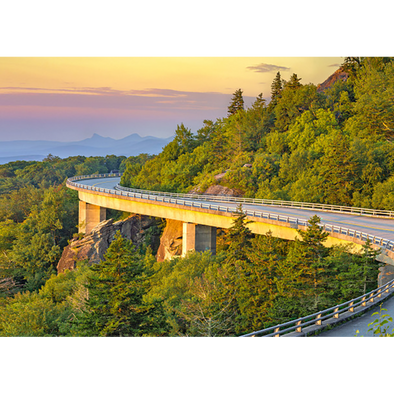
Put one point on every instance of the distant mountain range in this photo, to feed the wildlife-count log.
(97, 145)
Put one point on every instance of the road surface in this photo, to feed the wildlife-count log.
(380, 227)
(349, 329)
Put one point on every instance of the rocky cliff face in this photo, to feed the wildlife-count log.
(171, 240)
(93, 246)
(338, 75)
(219, 190)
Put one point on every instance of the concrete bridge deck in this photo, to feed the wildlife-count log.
(281, 221)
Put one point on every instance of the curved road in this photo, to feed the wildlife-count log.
(380, 227)
(372, 225)
(349, 329)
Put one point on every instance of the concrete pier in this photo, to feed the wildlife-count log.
(199, 238)
(90, 216)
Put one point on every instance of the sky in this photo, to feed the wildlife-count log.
(70, 98)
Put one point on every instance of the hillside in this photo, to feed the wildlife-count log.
(325, 145)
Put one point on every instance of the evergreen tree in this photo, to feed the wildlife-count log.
(276, 89)
(237, 268)
(237, 103)
(314, 253)
(259, 103)
(369, 267)
(239, 237)
(337, 170)
(117, 285)
(294, 82)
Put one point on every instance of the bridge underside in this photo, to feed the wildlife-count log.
(199, 228)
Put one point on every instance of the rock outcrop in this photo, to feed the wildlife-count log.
(338, 75)
(93, 246)
(219, 190)
(170, 241)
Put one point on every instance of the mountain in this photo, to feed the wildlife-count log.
(338, 75)
(96, 145)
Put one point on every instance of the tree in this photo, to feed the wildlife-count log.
(239, 237)
(30, 315)
(37, 247)
(294, 82)
(237, 103)
(205, 314)
(276, 89)
(314, 253)
(337, 170)
(184, 138)
(117, 285)
(259, 103)
(369, 266)
(259, 290)
(237, 267)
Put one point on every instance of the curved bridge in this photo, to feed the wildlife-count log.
(202, 214)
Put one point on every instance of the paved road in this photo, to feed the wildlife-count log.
(379, 227)
(361, 323)
(376, 226)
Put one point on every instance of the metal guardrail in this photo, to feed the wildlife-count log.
(316, 320)
(253, 201)
(281, 203)
(187, 200)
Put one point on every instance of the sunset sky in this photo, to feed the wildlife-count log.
(70, 98)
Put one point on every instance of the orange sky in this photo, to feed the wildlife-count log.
(70, 98)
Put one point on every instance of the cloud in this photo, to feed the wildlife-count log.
(72, 112)
(267, 68)
(106, 100)
(336, 65)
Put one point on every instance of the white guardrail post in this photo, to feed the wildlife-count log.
(327, 317)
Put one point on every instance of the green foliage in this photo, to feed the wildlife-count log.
(238, 238)
(276, 89)
(115, 306)
(380, 325)
(29, 315)
(237, 103)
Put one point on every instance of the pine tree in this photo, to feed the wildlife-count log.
(337, 169)
(237, 268)
(239, 236)
(314, 254)
(294, 82)
(237, 103)
(276, 89)
(117, 285)
(259, 103)
(369, 266)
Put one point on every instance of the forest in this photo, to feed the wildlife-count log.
(330, 146)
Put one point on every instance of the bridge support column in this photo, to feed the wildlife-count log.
(199, 238)
(90, 216)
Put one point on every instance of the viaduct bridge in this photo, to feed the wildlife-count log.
(203, 214)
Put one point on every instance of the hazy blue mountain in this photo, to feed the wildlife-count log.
(96, 145)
